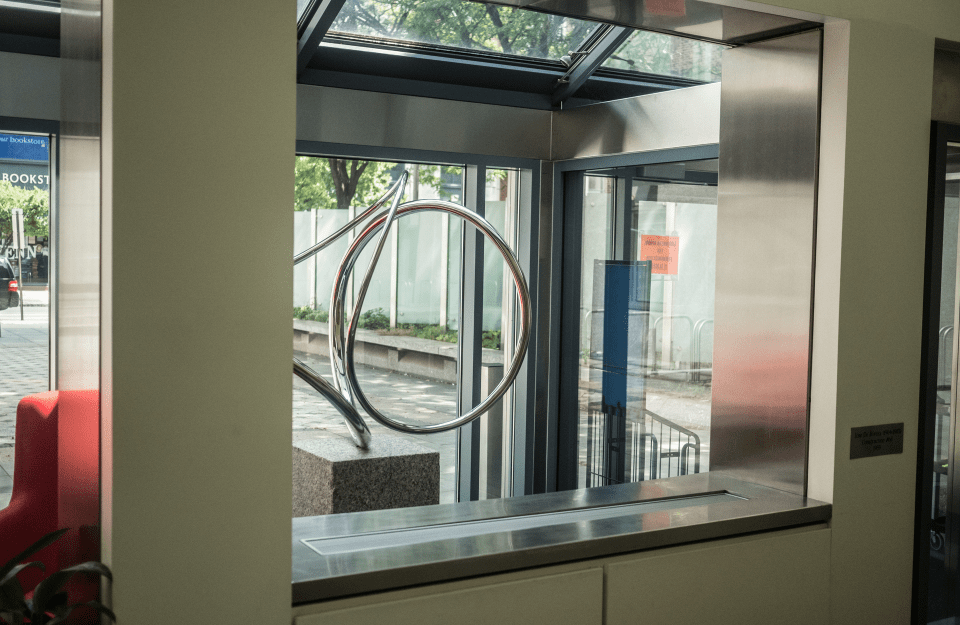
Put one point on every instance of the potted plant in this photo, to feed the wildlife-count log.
(47, 604)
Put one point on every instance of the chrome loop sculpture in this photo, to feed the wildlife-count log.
(346, 388)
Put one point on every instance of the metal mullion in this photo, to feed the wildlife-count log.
(470, 336)
(621, 214)
(589, 61)
(316, 21)
(568, 426)
(525, 398)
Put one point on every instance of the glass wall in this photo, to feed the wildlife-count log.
(648, 266)
(24, 280)
(407, 344)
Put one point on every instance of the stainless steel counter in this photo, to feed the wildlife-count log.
(348, 554)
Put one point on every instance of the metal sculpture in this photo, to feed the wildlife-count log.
(346, 388)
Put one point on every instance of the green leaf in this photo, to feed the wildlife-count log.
(12, 597)
(48, 588)
(46, 541)
(96, 605)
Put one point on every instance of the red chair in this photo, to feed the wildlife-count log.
(55, 481)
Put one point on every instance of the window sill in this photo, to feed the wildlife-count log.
(493, 536)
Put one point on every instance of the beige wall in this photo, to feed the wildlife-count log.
(199, 121)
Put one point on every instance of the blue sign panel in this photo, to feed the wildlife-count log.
(626, 304)
(24, 148)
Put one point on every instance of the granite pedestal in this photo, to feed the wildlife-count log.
(331, 475)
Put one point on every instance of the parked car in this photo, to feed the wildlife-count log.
(9, 288)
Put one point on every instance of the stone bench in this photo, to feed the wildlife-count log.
(331, 475)
(435, 360)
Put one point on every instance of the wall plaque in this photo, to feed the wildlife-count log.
(876, 440)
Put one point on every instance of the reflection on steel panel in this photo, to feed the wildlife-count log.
(690, 18)
(401, 121)
(765, 229)
(658, 121)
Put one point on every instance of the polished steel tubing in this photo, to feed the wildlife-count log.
(342, 347)
(346, 388)
(355, 423)
(338, 347)
(313, 250)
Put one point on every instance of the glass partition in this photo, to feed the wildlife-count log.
(408, 338)
(647, 273)
(25, 185)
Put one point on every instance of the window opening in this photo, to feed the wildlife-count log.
(25, 184)
(407, 343)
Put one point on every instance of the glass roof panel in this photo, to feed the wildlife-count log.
(301, 7)
(48, 6)
(465, 25)
(656, 53)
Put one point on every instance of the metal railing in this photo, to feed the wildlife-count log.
(653, 446)
(946, 356)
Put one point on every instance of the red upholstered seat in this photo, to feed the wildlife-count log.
(55, 480)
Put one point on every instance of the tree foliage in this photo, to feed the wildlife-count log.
(325, 183)
(36, 211)
(466, 25)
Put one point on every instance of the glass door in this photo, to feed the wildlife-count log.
(636, 401)
(937, 546)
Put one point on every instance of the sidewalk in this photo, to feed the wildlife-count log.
(24, 370)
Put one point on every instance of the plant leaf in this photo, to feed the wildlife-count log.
(48, 588)
(58, 603)
(46, 541)
(15, 570)
(12, 598)
(96, 605)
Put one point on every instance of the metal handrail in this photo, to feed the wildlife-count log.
(653, 332)
(943, 371)
(698, 347)
(346, 388)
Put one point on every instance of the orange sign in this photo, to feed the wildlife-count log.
(663, 251)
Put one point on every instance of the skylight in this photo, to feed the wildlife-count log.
(464, 25)
(668, 55)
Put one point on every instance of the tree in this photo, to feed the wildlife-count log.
(36, 211)
(327, 183)
(465, 25)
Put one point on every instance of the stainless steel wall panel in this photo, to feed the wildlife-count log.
(400, 121)
(765, 249)
(77, 270)
(732, 22)
(669, 119)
